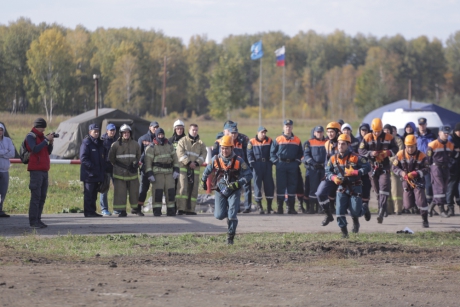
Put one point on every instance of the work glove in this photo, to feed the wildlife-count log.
(175, 175)
(233, 185)
(383, 154)
(204, 185)
(351, 172)
(336, 180)
(151, 178)
(405, 178)
(412, 175)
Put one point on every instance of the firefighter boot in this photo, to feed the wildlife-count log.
(425, 219)
(355, 225)
(301, 207)
(344, 232)
(443, 211)
(157, 211)
(367, 213)
(313, 203)
(269, 206)
(170, 212)
(230, 238)
(380, 216)
(139, 211)
(450, 210)
(329, 218)
(280, 206)
(259, 206)
(291, 205)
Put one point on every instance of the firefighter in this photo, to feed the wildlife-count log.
(411, 165)
(346, 129)
(162, 168)
(424, 137)
(454, 178)
(286, 152)
(326, 192)
(144, 141)
(314, 159)
(345, 169)
(124, 155)
(440, 156)
(395, 203)
(191, 154)
(230, 173)
(258, 153)
(378, 147)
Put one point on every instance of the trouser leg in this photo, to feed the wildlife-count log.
(281, 181)
(342, 209)
(269, 186)
(396, 193)
(4, 182)
(170, 194)
(324, 189)
(143, 188)
(247, 195)
(38, 189)
(428, 188)
(133, 188)
(257, 175)
(120, 194)
(89, 198)
(158, 188)
(103, 201)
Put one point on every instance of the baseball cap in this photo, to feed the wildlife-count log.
(445, 129)
(233, 128)
(262, 128)
(94, 127)
(318, 129)
(422, 121)
(111, 127)
(288, 122)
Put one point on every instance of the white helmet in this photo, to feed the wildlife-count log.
(178, 123)
(125, 127)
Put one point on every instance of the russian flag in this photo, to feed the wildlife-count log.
(280, 56)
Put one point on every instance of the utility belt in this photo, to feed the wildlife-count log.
(354, 183)
(132, 168)
(441, 165)
(350, 193)
(162, 165)
(288, 160)
(261, 160)
(318, 166)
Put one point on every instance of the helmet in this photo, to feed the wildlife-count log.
(125, 127)
(227, 141)
(344, 137)
(333, 125)
(376, 124)
(178, 123)
(346, 125)
(410, 140)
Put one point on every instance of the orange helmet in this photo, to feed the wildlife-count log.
(333, 125)
(226, 141)
(376, 124)
(344, 137)
(410, 140)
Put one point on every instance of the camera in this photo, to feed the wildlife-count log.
(55, 135)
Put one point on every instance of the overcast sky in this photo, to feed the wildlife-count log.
(220, 18)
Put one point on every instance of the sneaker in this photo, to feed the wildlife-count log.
(106, 213)
(115, 212)
(122, 214)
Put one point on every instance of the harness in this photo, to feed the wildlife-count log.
(229, 174)
(413, 183)
(347, 183)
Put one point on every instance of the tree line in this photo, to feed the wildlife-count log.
(48, 68)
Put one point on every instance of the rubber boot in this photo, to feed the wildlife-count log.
(367, 213)
(443, 211)
(450, 210)
(170, 212)
(380, 216)
(269, 206)
(157, 211)
(313, 203)
(355, 225)
(344, 232)
(329, 218)
(301, 207)
(259, 206)
(291, 205)
(139, 211)
(230, 238)
(425, 219)
(280, 206)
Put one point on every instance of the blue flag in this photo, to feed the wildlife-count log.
(256, 51)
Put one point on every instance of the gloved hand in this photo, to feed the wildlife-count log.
(151, 178)
(336, 180)
(383, 154)
(405, 177)
(351, 172)
(412, 175)
(175, 175)
(233, 185)
(204, 185)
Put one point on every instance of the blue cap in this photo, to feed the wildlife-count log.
(288, 122)
(445, 129)
(228, 126)
(233, 129)
(319, 129)
(262, 128)
(422, 121)
(94, 127)
(111, 127)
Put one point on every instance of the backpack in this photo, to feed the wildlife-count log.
(24, 153)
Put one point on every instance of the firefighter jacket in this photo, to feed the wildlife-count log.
(424, 140)
(232, 169)
(339, 162)
(441, 152)
(124, 156)
(416, 162)
(287, 149)
(259, 150)
(240, 145)
(160, 159)
(191, 150)
(383, 142)
(315, 153)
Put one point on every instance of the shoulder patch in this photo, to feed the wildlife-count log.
(363, 160)
(306, 145)
(395, 162)
(361, 145)
(249, 146)
(428, 153)
(244, 165)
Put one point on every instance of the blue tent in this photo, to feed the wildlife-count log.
(448, 117)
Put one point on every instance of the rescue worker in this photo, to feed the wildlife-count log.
(314, 159)
(346, 129)
(124, 155)
(378, 147)
(364, 129)
(144, 141)
(258, 153)
(161, 169)
(285, 153)
(454, 170)
(92, 169)
(395, 203)
(440, 152)
(424, 137)
(345, 168)
(230, 173)
(411, 165)
(326, 192)
(107, 140)
(191, 153)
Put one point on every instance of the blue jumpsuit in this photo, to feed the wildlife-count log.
(258, 154)
(314, 157)
(326, 189)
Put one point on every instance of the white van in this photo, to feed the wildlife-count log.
(400, 117)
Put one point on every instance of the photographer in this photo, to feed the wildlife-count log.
(40, 148)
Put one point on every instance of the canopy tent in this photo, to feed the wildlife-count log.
(72, 131)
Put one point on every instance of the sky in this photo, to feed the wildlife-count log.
(220, 18)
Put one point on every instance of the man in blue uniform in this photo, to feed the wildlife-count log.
(286, 152)
(107, 140)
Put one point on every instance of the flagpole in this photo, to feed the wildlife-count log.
(284, 82)
(260, 94)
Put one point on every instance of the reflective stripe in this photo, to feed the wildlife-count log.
(126, 156)
(292, 194)
(192, 153)
(125, 178)
(269, 197)
(162, 156)
(183, 158)
(323, 202)
(384, 193)
(439, 195)
(441, 149)
(312, 196)
(424, 209)
(149, 155)
(342, 216)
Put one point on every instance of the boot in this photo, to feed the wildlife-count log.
(425, 219)
(280, 206)
(313, 203)
(170, 212)
(380, 216)
(157, 211)
(259, 206)
(301, 207)
(355, 225)
(133, 211)
(329, 218)
(367, 213)
(291, 205)
(269, 206)
(139, 211)
(230, 238)
(344, 232)
(450, 210)
(443, 211)
(431, 210)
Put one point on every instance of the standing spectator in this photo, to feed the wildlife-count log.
(6, 153)
(454, 178)
(179, 133)
(40, 148)
(92, 168)
(425, 136)
(107, 140)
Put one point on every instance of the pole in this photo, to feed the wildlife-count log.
(96, 96)
(410, 94)
(163, 98)
(284, 83)
(260, 94)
